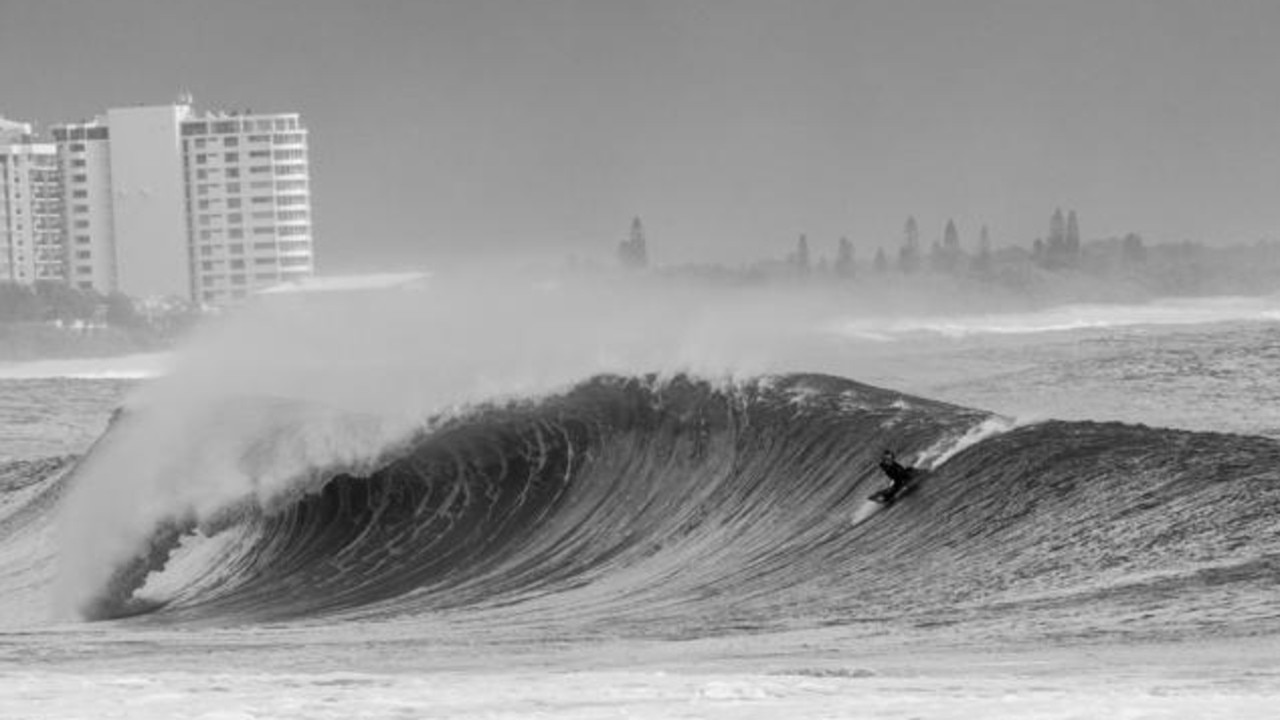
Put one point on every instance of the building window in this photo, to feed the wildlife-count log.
(291, 215)
(231, 157)
(259, 169)
(79, 178)
(237, 264)
(230, 141)
(264, 260)
(264, 231)
(290, 154)
(259, 153)
(83, 255)
(233, 172)
(293, 230)
(235, 218)
(291, 200)
(77, 162)
(80, 224)
(259, 246)
(82, 239)
(261, 199)
(235, 233)
(77, 147)
(236, 248)
(96, 133)
(233, 202)
(233, 187)
(226, 126)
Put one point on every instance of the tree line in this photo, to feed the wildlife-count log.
(1059, 258)
(53, 300)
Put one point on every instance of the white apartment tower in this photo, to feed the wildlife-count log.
(247, 180)
(31, 209)
(162, 202)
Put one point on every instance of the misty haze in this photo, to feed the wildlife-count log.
(649, 359)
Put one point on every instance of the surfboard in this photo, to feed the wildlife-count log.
(885, 498)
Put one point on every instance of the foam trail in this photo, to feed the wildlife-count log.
(947, 448)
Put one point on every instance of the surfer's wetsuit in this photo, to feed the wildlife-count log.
(897, 472)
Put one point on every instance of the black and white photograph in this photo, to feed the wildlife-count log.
(649, 359)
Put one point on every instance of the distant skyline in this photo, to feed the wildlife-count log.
(446, 130)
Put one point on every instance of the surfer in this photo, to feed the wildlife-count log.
(899, 475)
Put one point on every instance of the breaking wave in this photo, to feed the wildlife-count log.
(680, 507)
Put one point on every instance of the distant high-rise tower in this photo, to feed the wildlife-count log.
(32, 243)
(248, 186)
(162, 202)
(633, 252)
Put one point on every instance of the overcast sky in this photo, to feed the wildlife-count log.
(441, 129)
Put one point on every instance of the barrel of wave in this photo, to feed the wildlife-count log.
(161, 470)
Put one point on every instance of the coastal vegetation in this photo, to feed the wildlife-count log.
(1057, 268)
(51, 319)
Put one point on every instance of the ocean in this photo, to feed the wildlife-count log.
(587, 517)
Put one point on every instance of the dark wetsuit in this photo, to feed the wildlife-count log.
(898, 474)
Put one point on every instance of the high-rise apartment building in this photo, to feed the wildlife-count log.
(162, 201)
(31, 207)
(248, 188)
(84, 160)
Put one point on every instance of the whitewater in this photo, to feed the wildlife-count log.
(566, 499)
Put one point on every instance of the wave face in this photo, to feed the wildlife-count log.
(680, 508)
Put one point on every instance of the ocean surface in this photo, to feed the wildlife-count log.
(1096, 530)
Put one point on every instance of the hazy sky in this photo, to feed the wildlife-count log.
(441, 129)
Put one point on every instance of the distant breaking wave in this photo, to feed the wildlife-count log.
(678, 507)
(1175, 311)
(126, 367)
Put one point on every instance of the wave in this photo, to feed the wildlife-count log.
(636, 504)
(140, 366)
(1171, 311)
